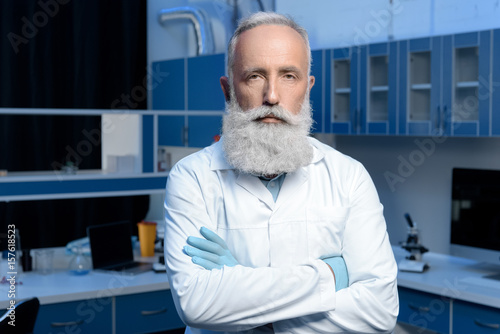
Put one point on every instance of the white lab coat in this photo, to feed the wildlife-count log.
(325, 209)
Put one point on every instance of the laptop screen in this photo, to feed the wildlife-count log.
(110, 244)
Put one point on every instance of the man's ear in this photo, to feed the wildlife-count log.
(224, 83)
(312, 79)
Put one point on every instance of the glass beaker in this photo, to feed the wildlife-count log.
(44, 260)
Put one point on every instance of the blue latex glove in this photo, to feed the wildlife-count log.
(211, 252)
(337, 263)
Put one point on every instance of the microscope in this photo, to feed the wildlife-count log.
(413, 262)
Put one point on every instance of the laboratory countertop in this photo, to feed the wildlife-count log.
(61, 286)
(453, 277)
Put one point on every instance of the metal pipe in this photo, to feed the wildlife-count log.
(203, 32)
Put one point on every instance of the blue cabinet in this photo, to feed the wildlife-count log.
(135, 313)
(85, 316)
(146, 312)
(172, 130)
(434, 86)
(348, 90)
(494, 90)
(357, 103)
(194, 131)
(417, 84)
(444, 85)
(190, 94)
(424, 310)
(169, 92)
(473, 318)
(436, 313)
(364, 89)
(202, 130)
(471, 98)
(320, 100)
(381, 106)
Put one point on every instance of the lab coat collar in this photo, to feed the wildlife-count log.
(293, 181)
(318, 154)
(218, 161)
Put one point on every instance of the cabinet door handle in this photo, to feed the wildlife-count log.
(438, 118)
(359, 119)
(67, 323)
(354, 119)
(146, 313)
(185, 135)
(443, 119)
(421, 309)
(486, 325)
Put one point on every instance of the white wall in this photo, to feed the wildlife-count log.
(334, 23)
(121, 136)
(425, 192)
(177, 39)
(425, 187)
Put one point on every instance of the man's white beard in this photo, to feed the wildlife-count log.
(262, 148)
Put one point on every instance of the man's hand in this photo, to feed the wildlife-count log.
(211, 252)
(337, 264)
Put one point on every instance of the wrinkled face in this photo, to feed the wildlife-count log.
(271, 68)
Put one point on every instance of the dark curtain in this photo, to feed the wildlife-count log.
(66, 54)
(56, 222)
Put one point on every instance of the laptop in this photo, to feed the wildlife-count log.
(111, 249)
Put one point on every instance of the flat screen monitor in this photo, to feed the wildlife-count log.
(475, 214)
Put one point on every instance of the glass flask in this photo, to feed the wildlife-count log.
(80, 263)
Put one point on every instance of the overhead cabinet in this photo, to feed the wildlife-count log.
(191, 93)
(433, 86)
(445, 84)
(364, 89)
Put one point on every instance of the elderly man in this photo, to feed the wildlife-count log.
(269, 230)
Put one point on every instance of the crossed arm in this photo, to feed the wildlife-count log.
(213, 253)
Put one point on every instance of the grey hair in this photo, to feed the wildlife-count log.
(264, 18)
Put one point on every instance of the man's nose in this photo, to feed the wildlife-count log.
(271, 95)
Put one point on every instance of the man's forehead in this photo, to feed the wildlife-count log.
(271, 41)
(269, 31)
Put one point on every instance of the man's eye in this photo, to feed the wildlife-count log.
(289, 76)
(253, 77)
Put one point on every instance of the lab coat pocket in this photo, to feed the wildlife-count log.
(325, 229)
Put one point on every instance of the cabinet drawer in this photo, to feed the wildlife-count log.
(146, 312)
(424, 310)
(473, 318)
(85, 316)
